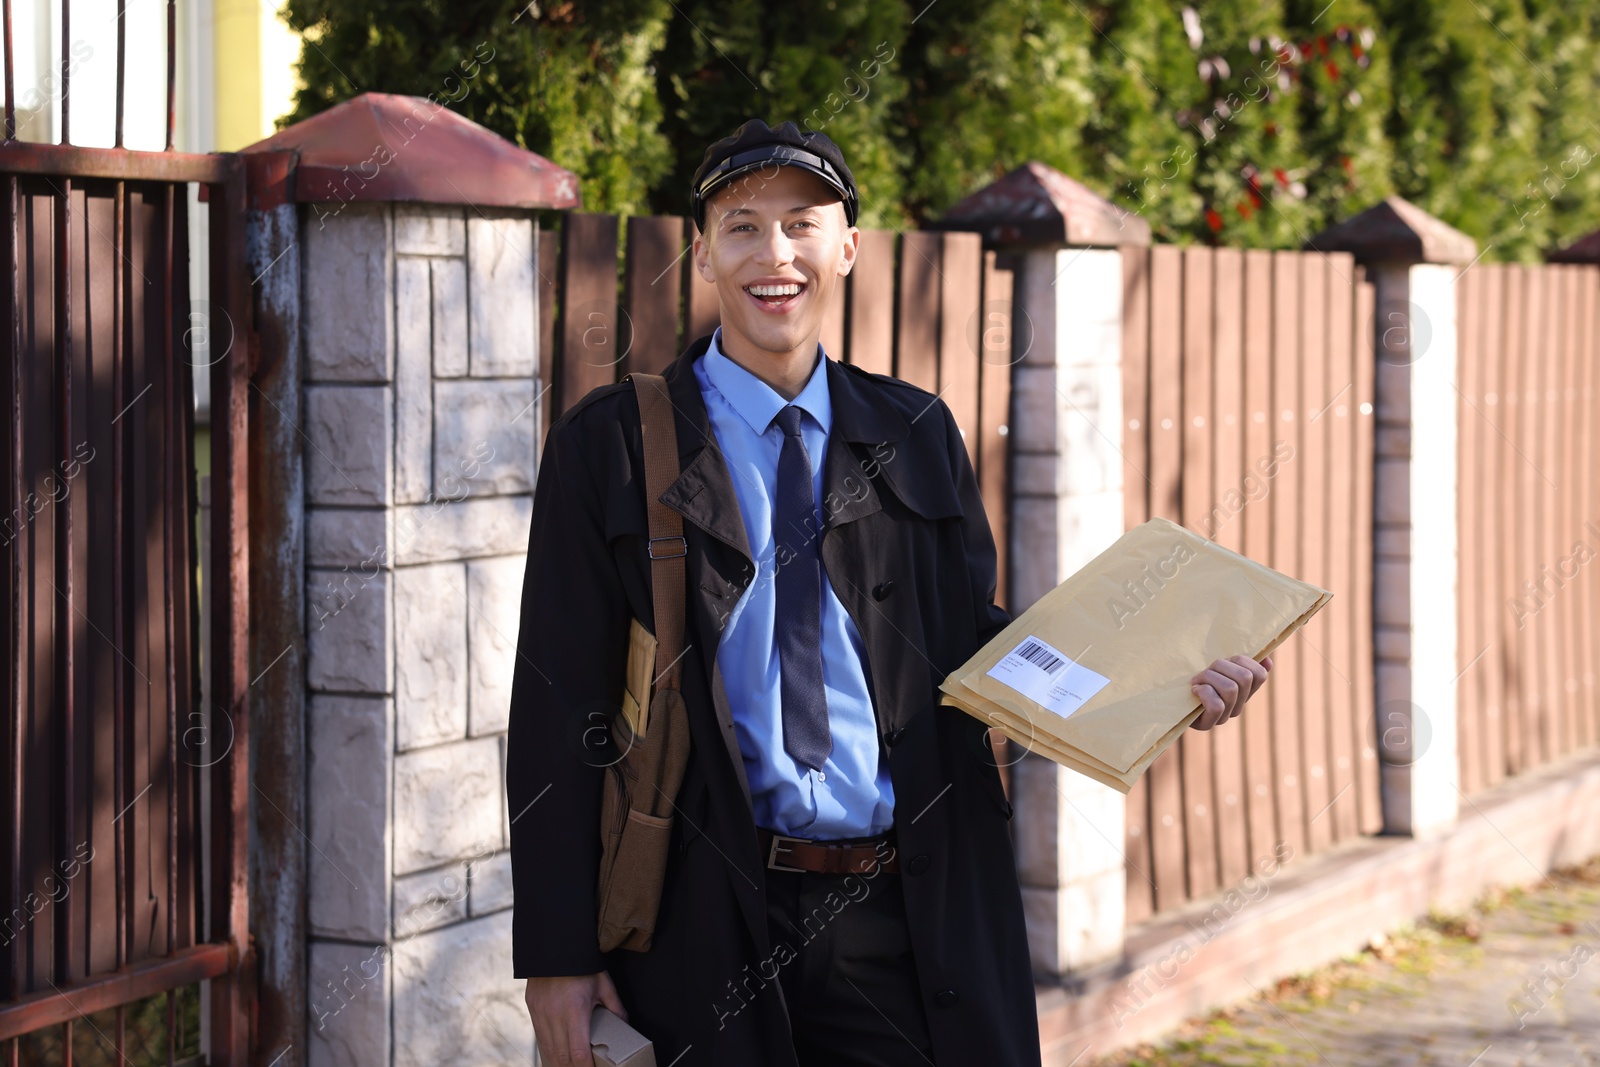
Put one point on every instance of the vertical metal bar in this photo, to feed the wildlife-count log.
(122, 54)
(169, 451)
(66, 1044)
(230, 590)
(120, 680)
(17, 697)
(172, 1027)
(172, 67)
(66, 69)
(11, 110)
(64, 589)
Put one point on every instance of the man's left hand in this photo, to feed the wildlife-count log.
(1223, 687)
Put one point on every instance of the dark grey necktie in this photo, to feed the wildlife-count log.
(798, 627)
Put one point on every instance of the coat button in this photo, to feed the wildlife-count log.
(882, 589)
(895, 735)
(945, 998)
(918, 865)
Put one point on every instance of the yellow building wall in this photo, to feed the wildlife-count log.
(255, 79)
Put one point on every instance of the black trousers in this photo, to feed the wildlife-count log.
(843, 956)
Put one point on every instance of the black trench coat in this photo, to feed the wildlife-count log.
(908, 550)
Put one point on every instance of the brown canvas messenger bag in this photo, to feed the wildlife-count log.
(651, 732)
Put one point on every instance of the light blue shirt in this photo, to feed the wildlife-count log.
(851, 795)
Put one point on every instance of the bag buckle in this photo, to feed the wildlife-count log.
(777, 847)
(683, 549)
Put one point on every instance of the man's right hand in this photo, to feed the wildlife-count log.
(560, 1009)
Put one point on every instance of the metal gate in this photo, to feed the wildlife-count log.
(123, 875)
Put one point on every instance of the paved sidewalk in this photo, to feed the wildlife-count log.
(1515, 982)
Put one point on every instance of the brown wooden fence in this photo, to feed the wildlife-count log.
(1529, 518)
(912, 306)
(1248, 386)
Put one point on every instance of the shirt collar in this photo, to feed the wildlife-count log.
(756, 401)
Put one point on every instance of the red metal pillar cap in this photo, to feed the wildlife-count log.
(1038, 205)
(1396, 231)
(380, 147)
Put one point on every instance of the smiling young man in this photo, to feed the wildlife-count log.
(841, 887)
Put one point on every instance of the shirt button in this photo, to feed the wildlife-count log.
(822, 776)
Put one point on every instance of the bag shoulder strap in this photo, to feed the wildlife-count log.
(667, 548)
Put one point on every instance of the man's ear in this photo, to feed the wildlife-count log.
(702, 258)
(852, 245)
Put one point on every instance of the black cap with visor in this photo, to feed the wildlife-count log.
(756, 146)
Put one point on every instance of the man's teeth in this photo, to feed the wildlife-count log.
(792, 289)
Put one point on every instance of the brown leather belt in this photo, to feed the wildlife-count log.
(829, 857)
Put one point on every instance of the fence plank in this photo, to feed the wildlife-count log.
(652, 292)
(588, 312)
(997, 331)
(1546, 399)
(869, 331)
(1222, 525)
(1287, 734)
(1532, 549)
(1588, 417)
(1489, 516)
(1520, 723)
(961, 267)
(1309, 477)
(702, 313)
(1195, 746)
(1568, 527)
(832, 339)
(1470, 310)
(1370, 814)
(1168, 846)
(1139, 880)
(42, 781)
(549, 257)
(916, 335)
(98, 665)
(1255, 522)
(1339, 417)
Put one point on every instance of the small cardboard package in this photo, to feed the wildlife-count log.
(616, 1044)
(1096, 674)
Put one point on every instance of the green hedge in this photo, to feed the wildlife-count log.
(1228, 122)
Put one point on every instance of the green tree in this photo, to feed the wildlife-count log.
(1139, 150)
(1561, 200)
(571, 81)
(1465, 116)
(831, 67)
(991, 86)
(1343, 100)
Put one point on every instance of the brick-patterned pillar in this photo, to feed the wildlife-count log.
(1414, 260)
(420, 425)
(418, 338)
(1066, 478)
(1066, 509)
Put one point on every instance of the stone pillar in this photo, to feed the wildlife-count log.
(416, 329)
(1414, 260)
(1066, 477)
(420, 424)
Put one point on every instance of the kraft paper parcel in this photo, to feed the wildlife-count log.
(613, 1043)
(1096, 674)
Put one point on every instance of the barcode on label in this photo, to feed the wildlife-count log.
(1040, 656)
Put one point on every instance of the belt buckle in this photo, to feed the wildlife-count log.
(776, 847)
